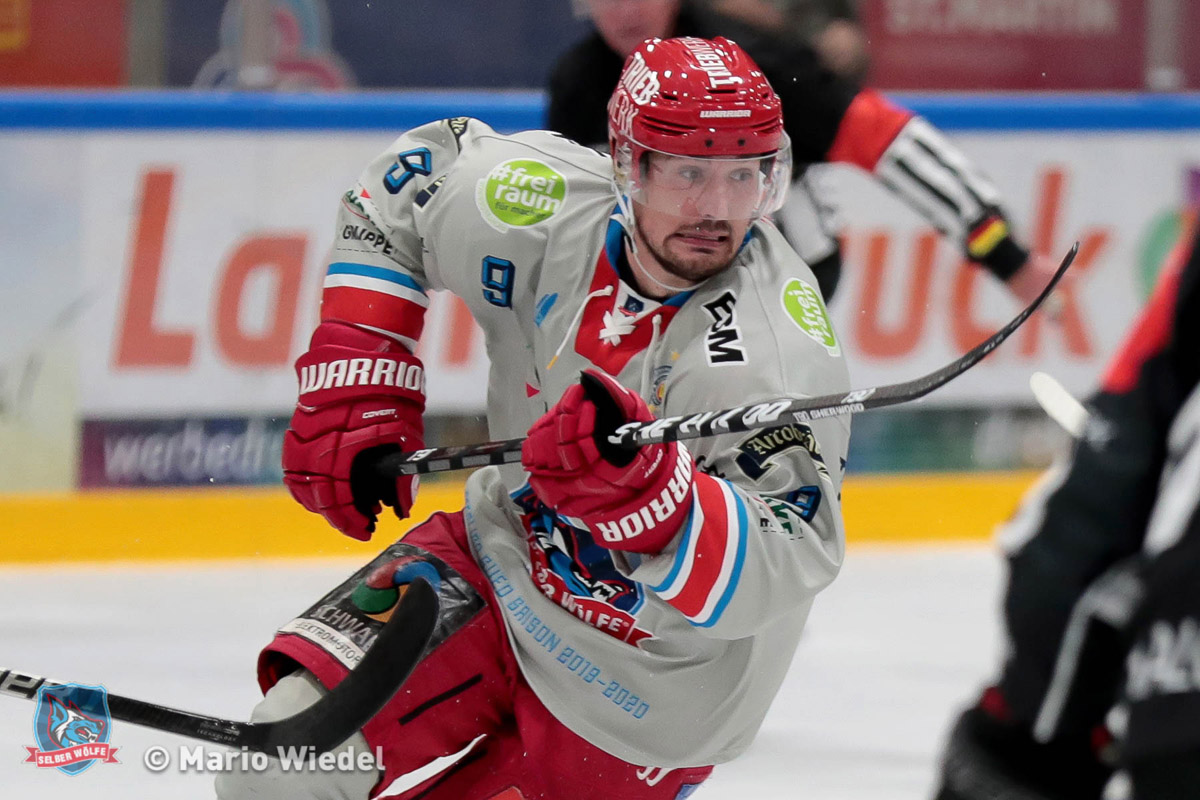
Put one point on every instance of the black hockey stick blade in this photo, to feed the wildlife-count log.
(322, 726)
(731, 420)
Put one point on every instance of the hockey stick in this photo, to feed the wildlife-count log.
(1058, 403)
(322, 726)
(732, 420)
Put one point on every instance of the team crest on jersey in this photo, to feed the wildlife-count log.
(804, 306)
(723, 342)
(519, 193)
(658, 386)
(72, 726)
(578, 574)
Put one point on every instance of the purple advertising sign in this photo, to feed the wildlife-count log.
(181, 452)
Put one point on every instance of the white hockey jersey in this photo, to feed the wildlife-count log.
(669, 660)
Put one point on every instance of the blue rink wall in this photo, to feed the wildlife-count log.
(262, 521)
(512, 111)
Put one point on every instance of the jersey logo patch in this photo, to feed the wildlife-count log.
(723, 342)
(804, 306)
(755, 453)
(458, 126)
(520, 193)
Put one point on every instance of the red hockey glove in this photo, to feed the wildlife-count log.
(632, 500)
(359, 392)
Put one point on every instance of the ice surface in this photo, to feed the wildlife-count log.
(901, 639)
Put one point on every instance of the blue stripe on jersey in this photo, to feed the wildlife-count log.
(739, 561)
(614, 241)
(380, 273)
(681, 551)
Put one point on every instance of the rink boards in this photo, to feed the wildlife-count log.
(164, 253)
(189, 524)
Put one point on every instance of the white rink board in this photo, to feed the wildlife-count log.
(228, 191)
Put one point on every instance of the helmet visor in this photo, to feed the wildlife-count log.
(687, 187)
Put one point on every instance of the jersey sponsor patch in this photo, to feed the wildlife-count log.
(345, 622)
(519, 193)
(458, 126)
(369, 239)
(755, 453)
(723, 342)
(804, 306)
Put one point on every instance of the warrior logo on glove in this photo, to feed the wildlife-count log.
(361, 396)
(636, 500)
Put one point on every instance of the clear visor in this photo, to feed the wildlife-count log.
(706, 188)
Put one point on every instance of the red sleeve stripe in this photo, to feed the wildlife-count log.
(387, 313)
(712, 547)
(1153, 329)
(405, 290)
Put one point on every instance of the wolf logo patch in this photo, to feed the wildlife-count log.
(71, 726)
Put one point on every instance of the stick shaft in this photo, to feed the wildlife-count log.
(731, 420)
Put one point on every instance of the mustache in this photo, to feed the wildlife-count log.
(714, 227)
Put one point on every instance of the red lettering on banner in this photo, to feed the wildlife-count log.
(1071, 323)
(460, 335)
(871, 337)
(283, 258)
(967, 327)
(964, 329)
(140, 343)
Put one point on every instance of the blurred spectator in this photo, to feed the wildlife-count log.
(828, 118)
(832, 27)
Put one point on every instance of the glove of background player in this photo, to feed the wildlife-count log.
(359, 392)
(632, 500)
(990, 756)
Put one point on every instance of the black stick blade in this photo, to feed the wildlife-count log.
(350, 705)
(322, 726)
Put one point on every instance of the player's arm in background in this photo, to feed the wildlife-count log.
(833, 120)
(1074, 537)
(933, 177)
(362, 387)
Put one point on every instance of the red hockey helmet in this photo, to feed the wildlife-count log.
(698, 99)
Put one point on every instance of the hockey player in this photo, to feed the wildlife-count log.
(611, 625)
(828, 119)
(1103, 601)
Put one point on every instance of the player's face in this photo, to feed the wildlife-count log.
(694, 213)
(624, 24)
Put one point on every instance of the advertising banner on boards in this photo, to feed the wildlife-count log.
(165, 280)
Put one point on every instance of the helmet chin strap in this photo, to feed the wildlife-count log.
(636, 260)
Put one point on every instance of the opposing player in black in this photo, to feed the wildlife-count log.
(827, 118)
(1103, 601)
